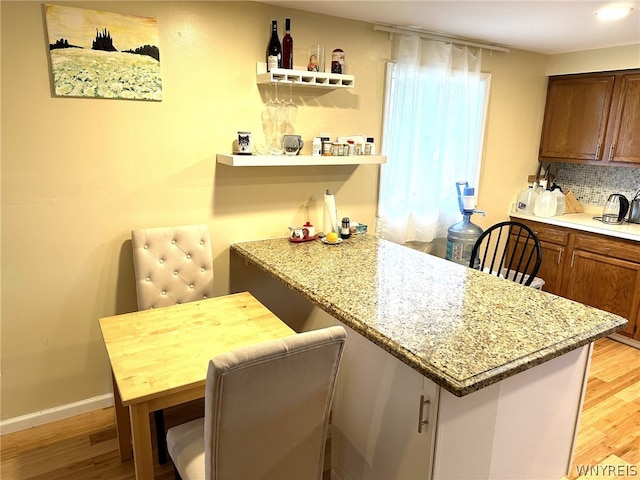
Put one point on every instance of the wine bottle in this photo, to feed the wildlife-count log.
(274, 49)
(287, 45)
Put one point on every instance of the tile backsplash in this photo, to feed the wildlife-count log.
(592, 184)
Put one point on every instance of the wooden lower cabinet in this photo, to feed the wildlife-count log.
(597, 270)
(607, 283)
(551, 267)
(554, 246)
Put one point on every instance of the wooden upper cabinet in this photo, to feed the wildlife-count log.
(592, 118)
(576, 116)
(625, 137)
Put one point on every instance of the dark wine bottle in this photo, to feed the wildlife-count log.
(274, 49)
(287, 45)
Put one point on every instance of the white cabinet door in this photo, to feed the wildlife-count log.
(376, 415)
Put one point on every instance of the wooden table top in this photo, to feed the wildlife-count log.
(167, 349)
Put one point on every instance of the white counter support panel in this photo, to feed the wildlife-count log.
(522, 427)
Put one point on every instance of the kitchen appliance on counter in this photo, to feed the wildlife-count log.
(634, 209)
(615, 209)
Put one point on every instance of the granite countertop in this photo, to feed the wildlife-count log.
(585, 222)
(462, 328)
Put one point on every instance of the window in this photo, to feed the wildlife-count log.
(433, 133)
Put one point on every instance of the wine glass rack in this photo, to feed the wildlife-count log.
(303, 78)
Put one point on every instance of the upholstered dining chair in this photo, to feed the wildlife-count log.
(172, 265)
(510, 250)
(266, 411)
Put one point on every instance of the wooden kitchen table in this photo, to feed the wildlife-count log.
(159, 358)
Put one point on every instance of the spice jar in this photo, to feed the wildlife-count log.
(327, 147)
(337, 61)
(345, 231)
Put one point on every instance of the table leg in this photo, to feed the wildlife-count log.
(123, 425)
(141, 434)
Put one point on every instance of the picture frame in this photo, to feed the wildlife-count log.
(99, 54)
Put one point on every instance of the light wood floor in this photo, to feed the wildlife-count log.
(610, 421)
(85, 447)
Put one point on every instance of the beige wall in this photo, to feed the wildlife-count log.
(79, 174)
(516, 106)
(601, 59)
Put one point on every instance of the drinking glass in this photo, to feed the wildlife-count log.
(316, 58)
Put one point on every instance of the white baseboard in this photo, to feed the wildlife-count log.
(57, 413)
(103, 401)
(626, 340)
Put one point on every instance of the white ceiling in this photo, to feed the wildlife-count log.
(543, 26)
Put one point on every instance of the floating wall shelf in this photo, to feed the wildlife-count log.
(297, 160)
(303, 78)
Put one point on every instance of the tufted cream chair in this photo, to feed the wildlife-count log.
(172, 265)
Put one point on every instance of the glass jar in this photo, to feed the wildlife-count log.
(337, 61)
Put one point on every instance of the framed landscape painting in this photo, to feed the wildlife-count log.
(103, 55)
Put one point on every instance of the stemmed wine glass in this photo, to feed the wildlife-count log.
(274, 122)
(280, 123)
(267, 124)
(292, 108)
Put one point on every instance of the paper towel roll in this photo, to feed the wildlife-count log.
(330, 214)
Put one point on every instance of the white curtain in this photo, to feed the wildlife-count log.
(432, 136)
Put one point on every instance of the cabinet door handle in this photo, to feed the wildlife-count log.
(423, 423)
(598, 151)
(560, 256)
(611, 149)
(573, 256)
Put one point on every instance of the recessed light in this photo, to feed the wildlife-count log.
(613, 12)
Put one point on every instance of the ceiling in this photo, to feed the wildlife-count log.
(543, 26)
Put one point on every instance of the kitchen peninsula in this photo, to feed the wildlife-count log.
(448, 372)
